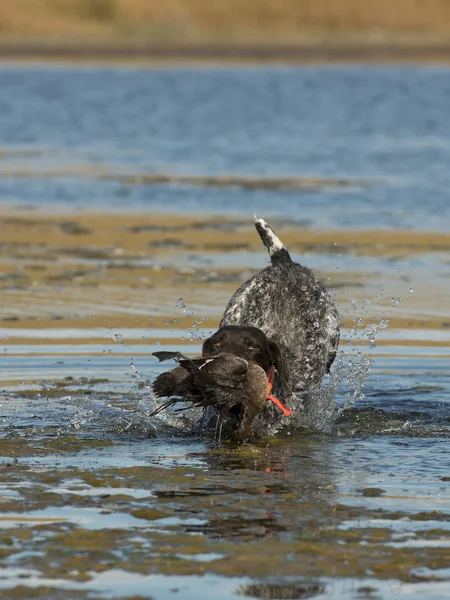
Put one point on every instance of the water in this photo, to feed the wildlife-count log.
(97, 499)
(383, 130)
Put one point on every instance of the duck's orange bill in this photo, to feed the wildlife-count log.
(287, 412)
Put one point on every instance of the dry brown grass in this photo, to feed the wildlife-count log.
(197, 19)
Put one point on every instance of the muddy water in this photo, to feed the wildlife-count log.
(97, 499)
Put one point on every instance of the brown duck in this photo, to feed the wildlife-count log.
(234, 375)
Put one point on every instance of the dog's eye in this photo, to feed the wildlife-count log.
(218, 344)
(251, 347)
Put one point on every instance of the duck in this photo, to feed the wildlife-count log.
(233, 377)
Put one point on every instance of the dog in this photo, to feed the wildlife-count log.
(231, 381)
(296, 312)
(249, 343)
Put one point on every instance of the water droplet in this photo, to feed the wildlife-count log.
(411, 290)
(304, 288)
(180, 305)
(117, 337)
(396, 301)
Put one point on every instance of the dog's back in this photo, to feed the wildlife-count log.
(291, 307)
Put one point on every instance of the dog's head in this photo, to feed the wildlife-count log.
(249, 343)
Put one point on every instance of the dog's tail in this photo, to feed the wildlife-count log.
(277, 250)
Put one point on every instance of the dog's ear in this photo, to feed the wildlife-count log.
(280, 365)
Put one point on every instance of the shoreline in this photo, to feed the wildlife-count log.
(234, 53)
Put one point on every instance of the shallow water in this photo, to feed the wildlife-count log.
(97, 499)
(72, 135)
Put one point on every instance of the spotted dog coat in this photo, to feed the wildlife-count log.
(293, 309)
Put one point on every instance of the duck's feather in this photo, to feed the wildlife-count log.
(164, 355)
(224, 370)
(216, 381)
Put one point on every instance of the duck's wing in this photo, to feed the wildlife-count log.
(178, 386)
(181, 383)
(175, 382)
(214, 381)
(172, 383)
(178, 381)
(164, 355)
(181, 359)
(219, 382)
(223, 370)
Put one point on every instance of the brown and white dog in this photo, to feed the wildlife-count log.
(296, 312)
(284, 318)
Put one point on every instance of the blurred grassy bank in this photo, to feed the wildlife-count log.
(255, 29)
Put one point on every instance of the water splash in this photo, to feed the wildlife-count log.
(356, 364)
(349, 375)
(194, 332)
(101, 413)
(137, 419)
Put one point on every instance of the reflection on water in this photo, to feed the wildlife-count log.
(299, 591)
